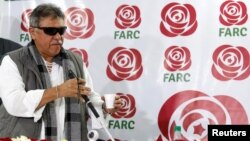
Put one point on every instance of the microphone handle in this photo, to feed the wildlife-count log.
(71, 75)
(90, 105)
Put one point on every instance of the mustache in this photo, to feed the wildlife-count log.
(59, 42)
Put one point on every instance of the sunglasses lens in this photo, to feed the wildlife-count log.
(53, 30)
(50, 31)
(61, 30)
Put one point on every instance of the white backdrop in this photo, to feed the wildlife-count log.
(174, 62)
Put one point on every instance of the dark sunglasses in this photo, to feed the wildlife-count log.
(53, 30)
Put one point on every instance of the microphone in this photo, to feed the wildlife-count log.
(71, 75)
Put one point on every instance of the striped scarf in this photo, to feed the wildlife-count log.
(72, 129)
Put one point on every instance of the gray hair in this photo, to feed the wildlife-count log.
(44, 11)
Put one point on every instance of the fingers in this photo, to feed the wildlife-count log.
(83, 90)
(118, 103)
(118, 106)
(81, 81)
(76, 81)
(118, 100)
(75, 87)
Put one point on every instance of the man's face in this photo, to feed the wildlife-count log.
(48, 45)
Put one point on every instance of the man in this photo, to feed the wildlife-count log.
(40, 100)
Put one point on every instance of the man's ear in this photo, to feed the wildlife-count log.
(32, 33)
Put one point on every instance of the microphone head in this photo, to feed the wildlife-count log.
(93, 135)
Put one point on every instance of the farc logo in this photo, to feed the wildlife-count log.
(178, 20)
(80, 23)
(124, 64)
(194, 110)
(121, 117)
(177, 58)
(127, 17)
(233, 13)
(231, 63)
(25, 25)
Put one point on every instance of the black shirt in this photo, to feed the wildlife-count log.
(7, 45)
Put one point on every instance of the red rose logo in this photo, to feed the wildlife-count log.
(178, 19)
(25, 20)
(82, 53)
(128, 107)
(177, 58)
(127, 17)
(124, 64)
(231, 63)
(80, 23)
(194, 110)
(233, 13)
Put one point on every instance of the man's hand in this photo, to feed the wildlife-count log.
(117, 105)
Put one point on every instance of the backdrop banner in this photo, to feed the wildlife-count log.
(173, 62)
